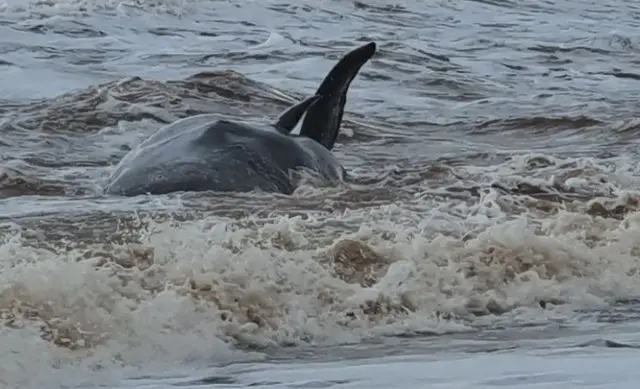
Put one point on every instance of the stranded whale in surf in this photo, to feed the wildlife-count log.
(211, 152)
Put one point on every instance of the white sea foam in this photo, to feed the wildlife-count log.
(193, 286)
(207, 291)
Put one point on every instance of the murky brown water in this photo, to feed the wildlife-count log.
(492, 149)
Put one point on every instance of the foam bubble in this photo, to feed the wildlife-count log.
(198, 290)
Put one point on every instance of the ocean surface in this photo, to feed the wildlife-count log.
(488, 236)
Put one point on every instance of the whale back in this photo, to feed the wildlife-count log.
(324, 116)
(210, 152)
(289, 119)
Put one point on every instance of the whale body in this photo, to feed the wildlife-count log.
(217, 153)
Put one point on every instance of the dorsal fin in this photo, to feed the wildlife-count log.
(289, 119)
(323, 119)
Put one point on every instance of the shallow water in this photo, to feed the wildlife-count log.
(488, 237)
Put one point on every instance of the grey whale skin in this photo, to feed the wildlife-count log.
(212, 152)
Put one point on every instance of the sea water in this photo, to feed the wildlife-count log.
(487, 237)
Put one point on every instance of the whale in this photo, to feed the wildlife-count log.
(212, 152)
